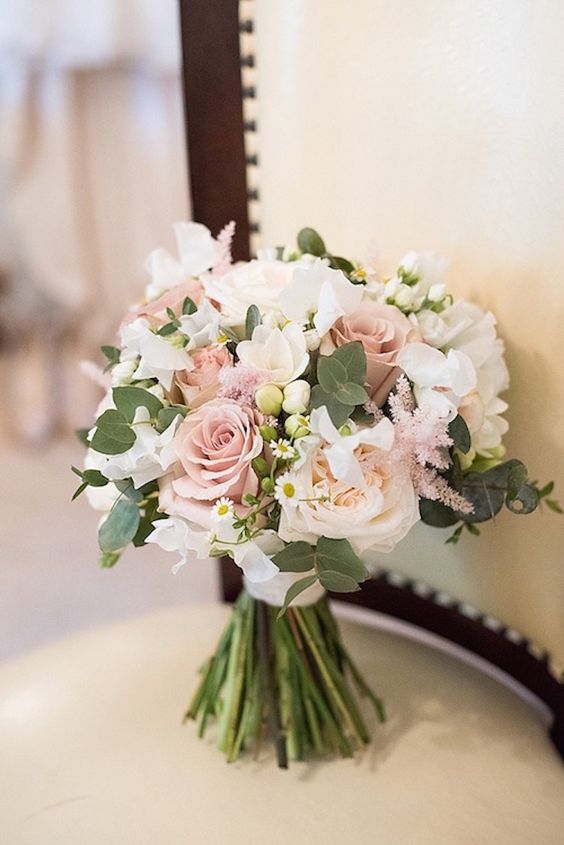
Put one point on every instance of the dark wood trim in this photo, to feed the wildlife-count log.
(213, 107)
(448, 620)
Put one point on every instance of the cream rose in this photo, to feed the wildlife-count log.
(201, 384)
(210, 457)
(257, 283)
(383, 331)
(280, 353)
(376, 516)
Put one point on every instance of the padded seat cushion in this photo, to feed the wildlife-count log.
(93, 751)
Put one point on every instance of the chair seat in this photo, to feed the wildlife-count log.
(93, 751)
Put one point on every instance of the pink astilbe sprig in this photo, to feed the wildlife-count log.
(421, 448)
(240, 383)
(224, 242)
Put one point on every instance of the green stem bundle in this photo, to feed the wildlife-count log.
(288, 677)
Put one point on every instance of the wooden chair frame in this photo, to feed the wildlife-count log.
(215, 132)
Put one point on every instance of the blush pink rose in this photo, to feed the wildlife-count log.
(383, 331)
(201, 384)
(172, 298)
(212, 453)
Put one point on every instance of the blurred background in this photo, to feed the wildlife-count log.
(92, 176)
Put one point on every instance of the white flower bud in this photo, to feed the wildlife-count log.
(312, 340)
(436, 292)
(269, 399)
(391, 286)
(403, 296)
(122, 373)
(296, 397)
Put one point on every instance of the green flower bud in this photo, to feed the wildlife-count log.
(268, 433)
(269, 399)
(260, 466)
(465, 459)
(296, 426)
(345, 430)
(267, 485)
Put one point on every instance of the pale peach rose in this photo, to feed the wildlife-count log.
(201, 384)
(173, 299)
(211, 456)
(383, 331)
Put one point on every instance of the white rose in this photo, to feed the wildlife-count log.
(256, 282)
(281, 353)
(376, 516)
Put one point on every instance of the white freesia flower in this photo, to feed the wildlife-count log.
(159, 357)
(142, 462)
(177, 535)
(281, 353)
(439, 380)
(320, 295)
(198, 251)
(340, 455)
(466, 328)
(258, 282)
(253, 556)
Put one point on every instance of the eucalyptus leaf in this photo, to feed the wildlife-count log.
(189, 307)
(436, 514)
(340, 263)
(295, 590)
(352, 394)
(311, 242)
(331, 374)
(113, 434)
(353, 358)
(168, 328)
(109, 559)
(339, 556)
(126, 488)
(336, 582)
(460, 434)
(128, 399)
(525, 501)
(167, 415)
(295, 557)
(338, 412)
(120, 526)
(252, 320)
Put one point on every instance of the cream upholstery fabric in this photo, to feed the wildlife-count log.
(440, 125)
(93, 751)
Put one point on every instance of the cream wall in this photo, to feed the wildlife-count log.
(439, 124)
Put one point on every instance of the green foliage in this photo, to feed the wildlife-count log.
(341, 377)
(82, 435)
(167, 415)
(109, 559)
(311, 242)
(89, 477)
(149, 515)
(252, 320)
(295, 590)
(112, 354)
(113, 434)
(189, 307)
(436, 514)
(128, 399)
(168, 328)
(334, 563)
(339, 263)
(120, 526)
(460, 435)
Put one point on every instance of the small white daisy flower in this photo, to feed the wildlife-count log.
(222, 509)
(287, 490)
(283, 450)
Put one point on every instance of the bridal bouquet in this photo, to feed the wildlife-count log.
(291, 413)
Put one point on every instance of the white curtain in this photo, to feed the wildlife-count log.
(92, 174)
